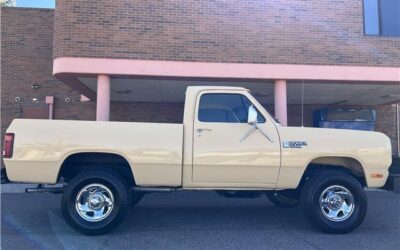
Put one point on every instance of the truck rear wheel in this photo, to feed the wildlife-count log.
(95, 201)
(334, 201)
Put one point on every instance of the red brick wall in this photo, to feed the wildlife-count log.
(241, 31)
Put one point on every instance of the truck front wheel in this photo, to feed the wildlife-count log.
(95, 201)
(334, 201)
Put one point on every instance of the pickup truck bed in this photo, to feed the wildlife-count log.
(153, 150)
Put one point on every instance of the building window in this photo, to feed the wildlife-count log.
(382, 17)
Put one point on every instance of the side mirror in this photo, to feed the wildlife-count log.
(252, 118)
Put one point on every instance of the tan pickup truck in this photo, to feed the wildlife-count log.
(228, 143)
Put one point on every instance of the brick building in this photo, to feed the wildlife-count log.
(134, 58)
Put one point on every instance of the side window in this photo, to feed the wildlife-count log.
(226, 108)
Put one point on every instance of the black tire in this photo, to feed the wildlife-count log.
(108, 179)
(315, 187)
(136, 197)
(283, 198)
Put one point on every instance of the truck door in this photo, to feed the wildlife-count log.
(222, 156)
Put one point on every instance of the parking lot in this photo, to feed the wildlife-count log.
(195, 220)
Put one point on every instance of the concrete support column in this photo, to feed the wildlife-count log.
(281, 101)
(103, 98)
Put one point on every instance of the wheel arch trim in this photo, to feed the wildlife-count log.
(105, 152)
(336, 161)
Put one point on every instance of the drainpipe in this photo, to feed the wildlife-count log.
(50, 102)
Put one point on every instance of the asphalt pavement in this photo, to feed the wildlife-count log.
(195, 220)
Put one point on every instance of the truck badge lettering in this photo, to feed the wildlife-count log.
(294, 144)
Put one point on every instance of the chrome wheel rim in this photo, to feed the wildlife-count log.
(94, 202)
(336, 203)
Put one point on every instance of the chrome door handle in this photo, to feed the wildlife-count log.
(199, 130)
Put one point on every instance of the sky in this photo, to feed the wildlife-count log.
(36, 3)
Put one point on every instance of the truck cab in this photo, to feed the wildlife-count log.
(221, 149)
